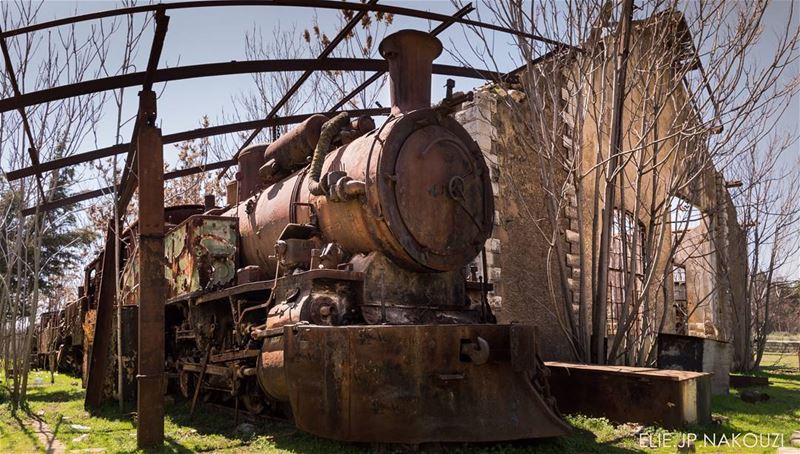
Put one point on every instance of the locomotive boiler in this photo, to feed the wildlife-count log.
(332, 289)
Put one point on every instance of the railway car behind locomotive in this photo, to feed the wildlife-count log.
(332, 288)
(59, 339)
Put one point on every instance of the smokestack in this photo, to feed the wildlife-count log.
(410, 54)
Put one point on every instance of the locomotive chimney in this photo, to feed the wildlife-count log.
(410, 54)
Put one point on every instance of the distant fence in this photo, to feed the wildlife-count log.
(782, 346)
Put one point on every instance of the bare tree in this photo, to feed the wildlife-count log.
(39, 60)
(616, 132)
(770, 211)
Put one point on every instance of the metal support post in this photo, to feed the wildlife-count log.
(150, 288)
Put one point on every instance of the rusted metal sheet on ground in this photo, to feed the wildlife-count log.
(151, 288)
(414, 384)
(669, 398)
(201, 254)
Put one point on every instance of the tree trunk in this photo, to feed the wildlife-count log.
(601, 290)
(26, 359)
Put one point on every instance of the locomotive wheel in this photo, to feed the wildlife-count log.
(187, 381)
(251, 399)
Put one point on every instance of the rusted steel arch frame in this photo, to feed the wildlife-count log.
(98, 359)
(191, 134)
(128, 182)
(171, 138)
(88, 195)
(32, 152)
(323, 4)
(224, 69)
(324, 54)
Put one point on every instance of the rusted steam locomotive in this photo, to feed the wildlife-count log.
(331, 290)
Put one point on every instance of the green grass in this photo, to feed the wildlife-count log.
(61, 405)
(15, 436)
(780, 360)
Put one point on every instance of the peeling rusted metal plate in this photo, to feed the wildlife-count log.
(412, 384)
(201, 254)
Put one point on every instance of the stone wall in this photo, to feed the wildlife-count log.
(519, 262)
(526, 270)
(478, 117)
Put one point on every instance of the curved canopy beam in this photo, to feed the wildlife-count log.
(324, 4)
(224, 69)
(191, 134)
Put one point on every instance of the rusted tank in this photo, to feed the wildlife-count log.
(201, 254)
(247, 179)
(291, 151)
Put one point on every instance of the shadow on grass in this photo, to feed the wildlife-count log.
(52, 436)
(213, 420)
(25, 429)
(580, 440)
(283, 435)
(56, 396)
(782, 373)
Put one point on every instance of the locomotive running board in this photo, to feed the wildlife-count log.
(419, 383)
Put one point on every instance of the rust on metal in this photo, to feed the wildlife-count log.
(201, 254)
(328, 4)
(101, 333)
(181, 136)
(672, 398)
(223, 69)
(410, 54)
(203, 370)
(343, 304)
(455, 186)
(290, 152)
(369, 384)
(151, 288)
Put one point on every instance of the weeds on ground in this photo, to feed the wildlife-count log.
(60, 405)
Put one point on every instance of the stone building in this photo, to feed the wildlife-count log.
(543, 140)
